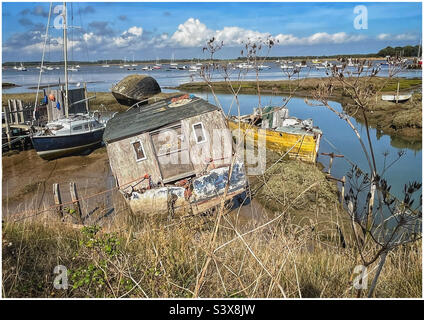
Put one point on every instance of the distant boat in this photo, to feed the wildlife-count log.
(194, 68)
(263, 67)
(396, 98)
(72, 69)
(105, 65)
(21, 68)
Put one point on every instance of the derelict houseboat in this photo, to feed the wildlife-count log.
(156, 155)
(282, 133)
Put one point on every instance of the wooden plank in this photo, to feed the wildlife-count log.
(75, 201)
(21, 112)
(7, 120)
(15, 112)
(58, 200)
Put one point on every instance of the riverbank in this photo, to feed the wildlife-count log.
(103, 101)
(133, 256)
(398, 120)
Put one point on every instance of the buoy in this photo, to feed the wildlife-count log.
(51, 97)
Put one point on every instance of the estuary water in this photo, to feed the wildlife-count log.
(102, 79)
(339, 138)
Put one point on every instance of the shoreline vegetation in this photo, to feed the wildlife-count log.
(408, 51)
(401, 120)
(133, 256)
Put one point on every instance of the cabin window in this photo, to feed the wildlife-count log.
(86, 126)
(139, 151)
(77, 128)
(199, 132)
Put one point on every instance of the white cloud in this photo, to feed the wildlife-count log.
(383, 36)
(402, 36)
(191, 33)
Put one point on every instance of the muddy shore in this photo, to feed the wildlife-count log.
(401, 120)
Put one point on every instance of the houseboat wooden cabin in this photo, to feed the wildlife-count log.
(174, 157)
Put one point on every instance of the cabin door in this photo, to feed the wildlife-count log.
(172, 152)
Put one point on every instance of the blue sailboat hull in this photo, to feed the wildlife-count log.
(52, 147)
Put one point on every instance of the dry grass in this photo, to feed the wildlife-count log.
(298, 254)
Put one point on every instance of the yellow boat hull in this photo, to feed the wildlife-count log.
(298, 146)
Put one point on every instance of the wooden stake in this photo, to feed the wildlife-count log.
(75, 200)
(332, 156)
(58, 200)
(21, 112)
(87, 103)
(343, 188)
(397, 93)
(6, 120)
(15, 112)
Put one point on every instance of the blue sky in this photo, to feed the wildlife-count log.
(115, 30)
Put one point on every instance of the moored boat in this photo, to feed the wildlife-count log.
(396, 97)
(299, 138)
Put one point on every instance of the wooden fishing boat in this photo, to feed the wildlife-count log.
(299, 138)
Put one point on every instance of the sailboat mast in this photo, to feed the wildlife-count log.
(65, 56)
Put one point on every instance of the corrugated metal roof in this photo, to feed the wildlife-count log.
(154, 116)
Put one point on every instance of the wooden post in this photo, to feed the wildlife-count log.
(332, 156)
(58, 199)
(21, 112)
(87, 103)
(15, 112)
(397, 93)
(7, 120)
(343, 188)
(75, 201)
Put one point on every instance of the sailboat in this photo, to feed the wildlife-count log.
(105, 65)
(21, 68)
(134, 64)
(173, 65)
(73, 133)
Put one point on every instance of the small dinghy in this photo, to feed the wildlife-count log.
(396, 97)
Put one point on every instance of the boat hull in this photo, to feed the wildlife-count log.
(52, 147)
(206, 193)
(306, 146)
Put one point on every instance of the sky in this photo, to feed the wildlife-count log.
(143, 30)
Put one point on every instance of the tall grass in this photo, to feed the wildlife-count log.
(143, 257)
